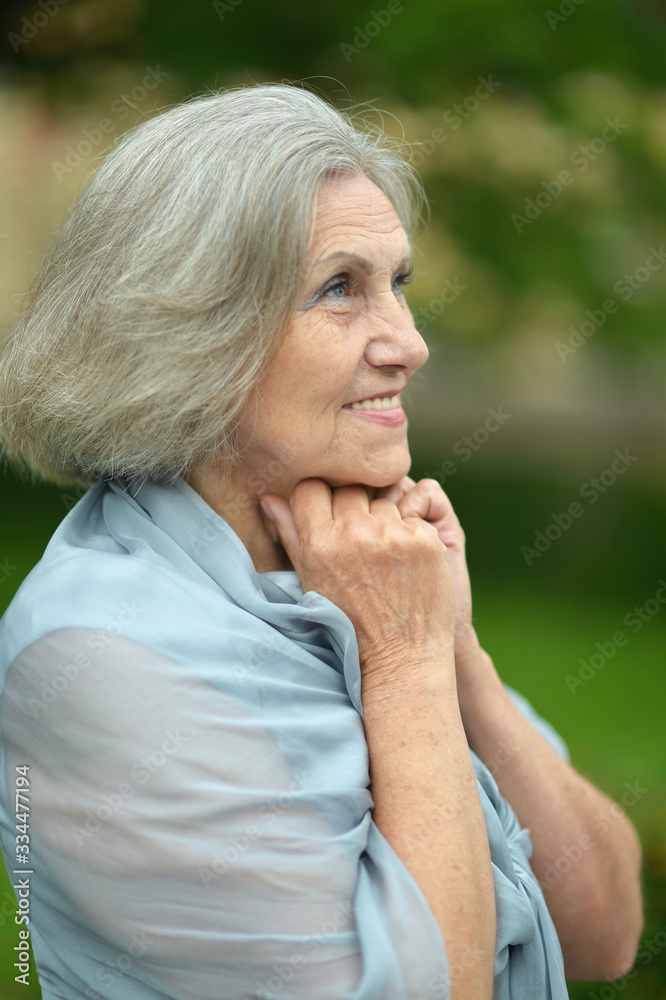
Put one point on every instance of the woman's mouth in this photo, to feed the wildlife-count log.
(381, 409)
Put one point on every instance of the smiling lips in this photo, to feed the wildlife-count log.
(380, 409)
(376, 403)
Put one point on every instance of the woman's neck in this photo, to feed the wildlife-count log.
(229, 497)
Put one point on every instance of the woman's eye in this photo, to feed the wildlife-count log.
(403, 279)
(339, 290)
(343, 287)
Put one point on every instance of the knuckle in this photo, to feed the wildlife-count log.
(426, 529)
(382, 504)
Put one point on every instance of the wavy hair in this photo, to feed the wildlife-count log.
(172, 280)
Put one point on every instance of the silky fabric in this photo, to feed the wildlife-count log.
(201, 816)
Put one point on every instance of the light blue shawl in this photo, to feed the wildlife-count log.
(201, 820)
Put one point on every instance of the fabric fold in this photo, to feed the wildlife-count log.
(202, 806)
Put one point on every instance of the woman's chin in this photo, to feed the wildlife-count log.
(373, 476)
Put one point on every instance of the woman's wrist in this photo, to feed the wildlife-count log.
(479, 684)
(406, 674)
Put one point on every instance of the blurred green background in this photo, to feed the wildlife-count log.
(540, 287)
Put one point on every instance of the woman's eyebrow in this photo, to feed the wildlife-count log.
(360, 262)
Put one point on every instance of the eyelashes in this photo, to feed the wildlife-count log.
(347, 283)
(405, 277)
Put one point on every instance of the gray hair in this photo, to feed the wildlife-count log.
(171, 282)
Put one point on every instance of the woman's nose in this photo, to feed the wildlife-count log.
(394, 340)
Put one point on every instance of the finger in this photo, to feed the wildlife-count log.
(428, 500)
(415, 503)
(311, 503)
(350, 501)
(280, 522)
(385, 509)
(395, 491)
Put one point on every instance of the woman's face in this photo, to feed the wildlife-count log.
(351, 337)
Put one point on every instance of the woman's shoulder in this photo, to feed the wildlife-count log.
(93, 577)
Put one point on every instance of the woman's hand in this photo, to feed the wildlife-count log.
(427, 499)
(382, 563)
(380, 560)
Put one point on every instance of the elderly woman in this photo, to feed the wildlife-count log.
(267, 756)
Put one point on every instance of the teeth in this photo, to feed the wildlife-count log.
(381, 403)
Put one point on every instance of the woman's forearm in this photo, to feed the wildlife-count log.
(589, 871)
(427, 807)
